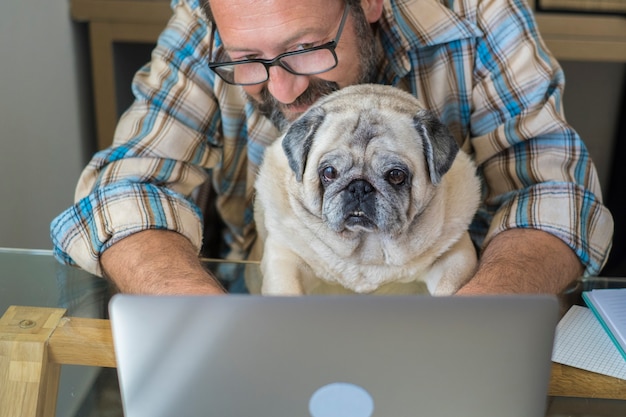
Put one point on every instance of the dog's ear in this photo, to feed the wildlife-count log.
(440, 147)
(299, 138)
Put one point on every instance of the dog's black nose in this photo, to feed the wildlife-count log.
(360, 188)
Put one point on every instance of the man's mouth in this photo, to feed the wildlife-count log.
(283, 114)
(293, 111)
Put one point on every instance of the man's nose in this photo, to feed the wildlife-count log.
(286, 87)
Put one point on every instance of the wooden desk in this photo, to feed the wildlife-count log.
(36, 341)
(570, 37)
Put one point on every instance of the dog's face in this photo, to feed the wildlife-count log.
(368, 165)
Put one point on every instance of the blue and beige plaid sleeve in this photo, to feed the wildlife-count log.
(537, 169)
(483, 67)
(144, 180)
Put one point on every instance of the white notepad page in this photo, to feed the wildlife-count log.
(582, 342)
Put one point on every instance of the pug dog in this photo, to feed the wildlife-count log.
(366, 192)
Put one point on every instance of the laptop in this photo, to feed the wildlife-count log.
(333, 356)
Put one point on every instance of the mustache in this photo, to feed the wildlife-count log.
(316, 89)
(276, 111)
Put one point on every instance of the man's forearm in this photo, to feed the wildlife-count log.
(157, 262)
(524, 261)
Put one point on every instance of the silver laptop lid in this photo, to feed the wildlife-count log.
(348, 356)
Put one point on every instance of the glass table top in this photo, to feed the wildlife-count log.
(35, 278)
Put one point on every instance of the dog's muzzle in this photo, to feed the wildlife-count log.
(360, 205)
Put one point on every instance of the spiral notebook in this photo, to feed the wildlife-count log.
(609, 306)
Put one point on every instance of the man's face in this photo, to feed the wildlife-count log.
(265, 29)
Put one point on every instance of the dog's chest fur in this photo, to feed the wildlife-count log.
(366, 264)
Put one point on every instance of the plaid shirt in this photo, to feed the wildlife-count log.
(480, 65)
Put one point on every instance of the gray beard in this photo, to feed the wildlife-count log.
(273, 109)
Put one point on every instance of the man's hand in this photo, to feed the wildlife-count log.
(157, 262)
(524, 261)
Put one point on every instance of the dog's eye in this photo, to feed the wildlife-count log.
(329, 173)
(396, 177)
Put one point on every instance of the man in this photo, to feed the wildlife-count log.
(480, 66)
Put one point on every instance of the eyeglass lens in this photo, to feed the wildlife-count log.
(305, 63)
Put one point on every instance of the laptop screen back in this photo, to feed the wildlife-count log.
(326, 356)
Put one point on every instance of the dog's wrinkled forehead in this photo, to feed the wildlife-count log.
(363, 97)
(368, 124)
(371, 107)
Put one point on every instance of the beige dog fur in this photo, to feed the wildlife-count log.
(367, 192)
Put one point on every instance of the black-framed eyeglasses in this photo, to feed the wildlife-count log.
(309, 61)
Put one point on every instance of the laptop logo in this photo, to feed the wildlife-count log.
(341, 399)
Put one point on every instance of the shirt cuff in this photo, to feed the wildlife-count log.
(81, 233)
(565, 210)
